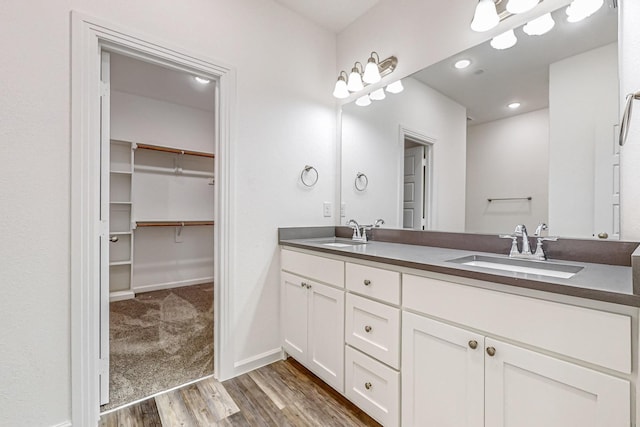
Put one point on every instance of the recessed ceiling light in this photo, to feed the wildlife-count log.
(463, 63)
(202, 80)
(514, 105)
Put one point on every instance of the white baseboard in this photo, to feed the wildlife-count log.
(169, 285)
(258, 361)
(64, 424)
(121, 295)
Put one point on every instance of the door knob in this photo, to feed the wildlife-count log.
(113, 239)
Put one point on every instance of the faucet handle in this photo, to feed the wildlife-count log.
(541, 227)
(549, 238)
(514, 243)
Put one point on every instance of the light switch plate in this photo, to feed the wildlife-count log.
(343, 210)
(326, 209)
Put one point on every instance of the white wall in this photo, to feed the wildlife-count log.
(371, 144)
(582, 141)
(284, 118)
(507, 158)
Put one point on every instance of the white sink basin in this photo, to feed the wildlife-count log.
(337, 242)
(540, 268)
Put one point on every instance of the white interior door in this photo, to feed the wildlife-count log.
(105, 151)
(413, 200)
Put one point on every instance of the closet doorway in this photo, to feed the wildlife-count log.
(157, 199)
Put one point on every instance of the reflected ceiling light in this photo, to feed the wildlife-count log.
(463, 63)
(377, 95)
(395, 87)
(359, 77)
(539, 26)
(581, 9)
(363, 101)
(504, 41)
(354, 83)
(341, 91)
(371, 72)
(521, 6)
(485, 16)
(202, 80)
(514, 105)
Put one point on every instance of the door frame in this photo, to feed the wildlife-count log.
(89, 36)
(429, 143)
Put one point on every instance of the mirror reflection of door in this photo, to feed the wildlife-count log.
(413, 216)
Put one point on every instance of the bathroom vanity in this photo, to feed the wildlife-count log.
(414, 337)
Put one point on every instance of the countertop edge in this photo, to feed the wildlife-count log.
(632, 300)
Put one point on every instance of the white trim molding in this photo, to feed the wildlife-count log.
(429, 143)
(259, 360)
(88, 37)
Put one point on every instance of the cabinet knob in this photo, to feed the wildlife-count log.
(367, 282)
(308, 286)
(603, 235)
(113, 239)
(304, 285)
(491, 351)
(367, 328)
(368, 386)
(473, 344)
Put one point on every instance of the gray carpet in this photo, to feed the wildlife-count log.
(159, 340)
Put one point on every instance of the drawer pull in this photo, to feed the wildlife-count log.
(367, 329)
(473, 344)
(491, 351)
(367, 282)
(368, 386)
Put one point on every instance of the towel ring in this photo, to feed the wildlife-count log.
(304, 176)
(361, 182)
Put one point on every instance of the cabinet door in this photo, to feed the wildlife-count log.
(326, 334)
(442, 375)
(294, 316)
(526, 389)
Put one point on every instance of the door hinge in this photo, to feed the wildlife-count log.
(105, 88)
(424, 162)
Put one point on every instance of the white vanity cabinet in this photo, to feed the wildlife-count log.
(312, 314)
(372, 334)
(452, 376)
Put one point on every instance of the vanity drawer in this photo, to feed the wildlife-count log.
(374, 282)
(591, 335)
(373, 387)
(374, 328)
(322, 269)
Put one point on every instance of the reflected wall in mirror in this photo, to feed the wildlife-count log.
(436, 153)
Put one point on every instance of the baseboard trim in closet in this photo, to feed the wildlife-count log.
(121, 295)
(170, 285)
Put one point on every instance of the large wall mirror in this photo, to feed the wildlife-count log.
(449, 154)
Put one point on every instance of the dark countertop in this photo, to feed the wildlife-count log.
(601, 282)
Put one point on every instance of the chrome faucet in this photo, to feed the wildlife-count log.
(357, 237)
(521, 231)
(378, 223)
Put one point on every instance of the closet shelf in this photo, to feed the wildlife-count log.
(172, 223)
(111, 264)
(119, 233)
(174, 150)
(120, 203)
(121, 172)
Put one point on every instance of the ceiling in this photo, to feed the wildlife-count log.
(521, 73)
(165, 84)
(334, 15)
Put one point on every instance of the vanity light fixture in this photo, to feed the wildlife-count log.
(341, 91)
(514, 105)
(485, 17)
(363, 101)
(581, 9)
(395, 87)
(377, 95)
(463, 63)
(354, 83)
(539, 26)
(371, 72)
(202, 80)
(504, 41)
(361, 77)
(521, 6)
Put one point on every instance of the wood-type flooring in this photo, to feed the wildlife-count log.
(281, 394)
